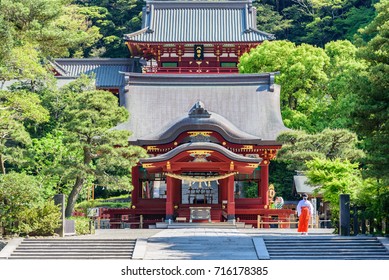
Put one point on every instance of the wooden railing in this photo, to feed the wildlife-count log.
(292, 220)
(189, 70)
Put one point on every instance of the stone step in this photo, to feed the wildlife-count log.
(221, 225)
(74, 249)
(71, 254)
(69, 257)
(370, 257)
(325, 248)
(321, 246)
(302, 239)
(336, 249)
(63, 247)
(113, 241)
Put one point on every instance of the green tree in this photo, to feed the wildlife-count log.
(344, 66)
(302, 77)
(330, 160)
(334, 177)
(298, 147)
(114, 18)
(103, 155)
(47, 160)
(53, 27)
(371, 88)
(270, 20)
(16, 108)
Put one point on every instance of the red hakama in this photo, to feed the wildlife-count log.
(304, 220)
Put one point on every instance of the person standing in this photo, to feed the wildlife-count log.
(304, 212)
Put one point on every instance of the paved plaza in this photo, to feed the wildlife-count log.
(198, 243)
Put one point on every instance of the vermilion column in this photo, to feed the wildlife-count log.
(169, 198)
(265, 182)
(230, 198)
(135, 183)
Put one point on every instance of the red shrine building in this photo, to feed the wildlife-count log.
(195, 36)
(210, 132)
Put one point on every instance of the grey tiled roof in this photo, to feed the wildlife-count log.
(105, 70)
(250, 102)
(211, 121)
(199, 21)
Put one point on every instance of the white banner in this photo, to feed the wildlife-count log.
(190, 270)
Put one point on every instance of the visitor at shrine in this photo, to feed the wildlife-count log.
(304, 212)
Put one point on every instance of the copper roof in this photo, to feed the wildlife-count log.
(199, 118)
(199, 21)
(250, 102)
(106, 71)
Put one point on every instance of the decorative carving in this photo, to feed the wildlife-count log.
(197, 133)
(152, 148)
(200, 155)
(271, 193)
(168, 166)
(200, 136)
(218, 51)
(147, 165)
(180, 50)
(198, 111)
(247, 147)
(268, 154)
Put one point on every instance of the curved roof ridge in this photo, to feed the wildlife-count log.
(199, 118)
(201, 146)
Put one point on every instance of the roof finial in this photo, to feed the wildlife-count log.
(198, 111)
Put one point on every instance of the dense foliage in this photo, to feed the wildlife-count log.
(332, 56)
(53, 140)
(335, 95)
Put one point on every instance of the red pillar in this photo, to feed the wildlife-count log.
(169, 198)
(135, 182)
(230, 198)
(265, 182)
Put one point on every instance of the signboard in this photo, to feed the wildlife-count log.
(93, 212)
(198, 52)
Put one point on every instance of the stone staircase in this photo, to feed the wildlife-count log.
(325, 248)
(74, 249)
(216, 225)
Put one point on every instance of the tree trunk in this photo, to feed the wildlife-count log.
(2, 165)
(73, 196)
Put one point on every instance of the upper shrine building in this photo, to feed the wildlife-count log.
(210, 132)
(195, 36)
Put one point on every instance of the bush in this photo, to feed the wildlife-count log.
(82, 225)
(19, 193)
(113, 202)
(41, 220)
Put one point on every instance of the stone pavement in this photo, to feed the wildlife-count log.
(146, 233)
(191, 243)
(200, 244)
